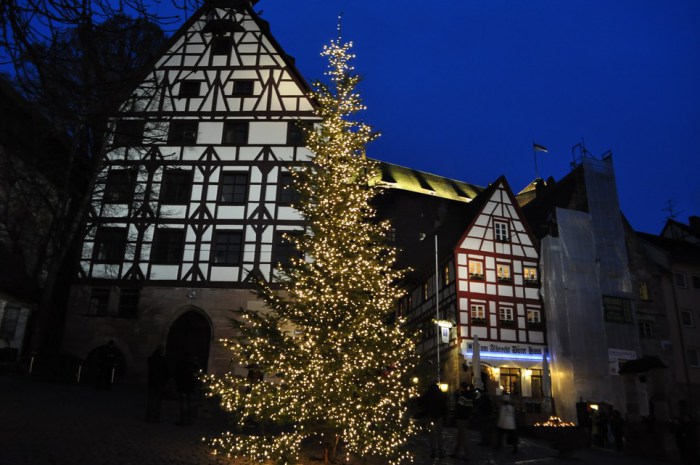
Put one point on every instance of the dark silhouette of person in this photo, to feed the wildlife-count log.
(617, 428)
(435, 406)
(107, 363)
(484, 416)
(186, 371)
(158, 375)
(464, 406)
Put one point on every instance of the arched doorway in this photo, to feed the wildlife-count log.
(189, 336)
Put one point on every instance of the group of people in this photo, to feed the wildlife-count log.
(470, 404)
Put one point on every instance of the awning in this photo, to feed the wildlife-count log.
(642, 365)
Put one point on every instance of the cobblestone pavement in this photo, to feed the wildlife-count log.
(64, 424)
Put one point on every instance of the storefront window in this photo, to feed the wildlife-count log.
(510, 380)
(536, 382)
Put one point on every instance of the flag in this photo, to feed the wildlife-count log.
(539, 148)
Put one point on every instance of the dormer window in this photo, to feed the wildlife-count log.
(501, 230)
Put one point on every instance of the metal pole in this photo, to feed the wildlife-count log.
(437, 310)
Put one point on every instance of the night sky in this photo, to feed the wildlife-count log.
(462, 88)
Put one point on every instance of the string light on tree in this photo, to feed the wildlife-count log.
(335, 370)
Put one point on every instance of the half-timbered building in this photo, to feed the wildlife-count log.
(194, 197)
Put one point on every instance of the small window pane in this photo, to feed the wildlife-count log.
(530, 275)
(168, 245)
(476, 270)
(643, 291)
(129, 132)
(221, 46)
(110, 245)
(228, 247)
(189, 88)
(646, 329)
(176, 186)
(243, 87)
(501, 231)
(680, 280)
(503, 272)
(687, 318)
(128, 303)
(283, 249)
(99, 302)
(119, 186)
(183, 132)
(235, 133)
(286, 193)
(234, 188)
(534, 316)
(295, 134)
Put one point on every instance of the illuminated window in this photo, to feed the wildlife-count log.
(536, 382)
(534, 316)
(476, 269)
(478, 313)
(446, 275)
(503, 272)
(426, 295)
(530, 275)
(501, 231)
(506, 316)
(643, 291)
(510, 380)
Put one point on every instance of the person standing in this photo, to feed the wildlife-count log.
(484, 411)
(435, 406)
(506, 424)
(464, 407)
(157, 378)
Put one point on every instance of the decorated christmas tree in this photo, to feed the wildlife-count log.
(329, 367)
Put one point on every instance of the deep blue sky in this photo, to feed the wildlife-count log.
(461, 88)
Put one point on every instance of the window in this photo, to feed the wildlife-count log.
(175, 186)
(534, 316)
(129, 132)
(221, 45)
(10, 318)
(235, 133)
(189, 88)
(228, 247)
(119, 186)
(426, 291)
(687, 318)
(530, 275)
(506, 316)
(110, 244)
(536, 382)
(501, 231)
(234, 188)
(243, 87)
(168, 245)
(446, 279)
(99, 302)
(643, 291)
(183, 132)
(646, 329)
(680, 280)
(503, 272)
(693, 357)
(128, 303)
(617, 309)
(510, 380)
(476, 269)
(296, 135)
(409, 302)
(478, 313)
(696, 282)
(283, 249)
(286, 193)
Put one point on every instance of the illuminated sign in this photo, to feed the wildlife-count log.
(504, 351)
